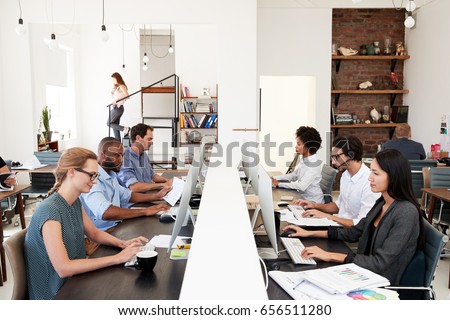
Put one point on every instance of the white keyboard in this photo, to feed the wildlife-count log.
(296, 210)
(294, 248)
(147, 247)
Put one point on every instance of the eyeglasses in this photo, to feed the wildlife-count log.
(92, 175)
(336, 156)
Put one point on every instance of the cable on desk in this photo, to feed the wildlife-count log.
(266, 275)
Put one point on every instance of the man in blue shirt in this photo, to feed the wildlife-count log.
(136, 172)
(411, 149)
(108, 202)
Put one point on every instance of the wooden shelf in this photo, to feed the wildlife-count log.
(158, 90)
(372, 57)
(198, 112)
(391, 127)
(364, 125)
(51, 145)
(404, 91)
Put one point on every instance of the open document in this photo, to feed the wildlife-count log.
(288, 216)
(31, 164)
(346, 281)
(177, 190)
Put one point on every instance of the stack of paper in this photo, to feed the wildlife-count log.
(347, 281)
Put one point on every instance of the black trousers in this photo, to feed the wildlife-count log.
(114, 120)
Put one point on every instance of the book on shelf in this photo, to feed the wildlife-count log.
(337, 282)
(187, 92)
(200, 122)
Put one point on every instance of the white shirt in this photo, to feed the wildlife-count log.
(305, 179)
(355, 197)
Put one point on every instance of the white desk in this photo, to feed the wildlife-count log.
(223, 261)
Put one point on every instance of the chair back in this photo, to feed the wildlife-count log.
(417, 175)
(440, 177)
(421, 270)
(14, 247)
(48, 157)
(326, 184)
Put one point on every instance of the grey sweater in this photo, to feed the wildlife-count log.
(393, 244)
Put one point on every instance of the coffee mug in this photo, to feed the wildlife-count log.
(146, 260)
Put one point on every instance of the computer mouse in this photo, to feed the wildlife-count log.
(166, 218)
(283, 204)
(287, 233)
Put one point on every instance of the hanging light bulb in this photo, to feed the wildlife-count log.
(170, 50)
(104, 35)
(145, 59)
(20, 28)
(53, 44)
(409, 21)
(410, 6)
(145, 67)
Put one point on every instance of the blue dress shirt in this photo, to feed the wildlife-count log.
(135, 168)
(105, 193)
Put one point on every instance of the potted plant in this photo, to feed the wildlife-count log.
(46, 115)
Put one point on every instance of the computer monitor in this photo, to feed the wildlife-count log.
(251, 172)
(184, 210)
(267, 214)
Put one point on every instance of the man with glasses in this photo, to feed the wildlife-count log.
(356, 197)
(136, 172)
(108, 202)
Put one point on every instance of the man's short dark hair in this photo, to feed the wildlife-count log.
(310, 138)
(105, 143)
(139, 129)
(351, 146)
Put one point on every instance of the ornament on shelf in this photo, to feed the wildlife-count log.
(365, 85)
(375, 115)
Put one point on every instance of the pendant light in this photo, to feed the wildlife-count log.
(104, 35)
(20, 28)
(145, 59)
(52, 44)
(170, 50)
(124, 70)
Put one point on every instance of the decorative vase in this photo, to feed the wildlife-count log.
(377, 49)
(48, 135)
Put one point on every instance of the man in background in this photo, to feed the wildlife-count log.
(411, 149)
(136, 172)
(107, 203)
(355, 197)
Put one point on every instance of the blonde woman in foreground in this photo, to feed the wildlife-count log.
(54, 243)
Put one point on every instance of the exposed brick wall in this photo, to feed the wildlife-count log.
(351, 29)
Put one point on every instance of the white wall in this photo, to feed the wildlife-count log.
(427, 72)
(297, 42)
(95, 62)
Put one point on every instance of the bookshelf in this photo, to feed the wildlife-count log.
(198, 117)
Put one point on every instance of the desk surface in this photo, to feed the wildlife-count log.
(17, 189)
(122, 283)
(47, 169)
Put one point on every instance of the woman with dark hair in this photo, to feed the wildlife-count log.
(308, 173)
(119, 91)
(391, 232)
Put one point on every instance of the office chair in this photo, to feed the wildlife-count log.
(417, 279)
(440, 178)
(326, 184)
(9, 204)
(14, 247)
(417, 174)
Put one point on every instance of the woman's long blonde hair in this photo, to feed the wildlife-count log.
(71, 158)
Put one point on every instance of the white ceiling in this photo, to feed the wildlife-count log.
(337, 3)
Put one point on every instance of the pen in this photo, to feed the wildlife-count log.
(184, 246)
(299, 283)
